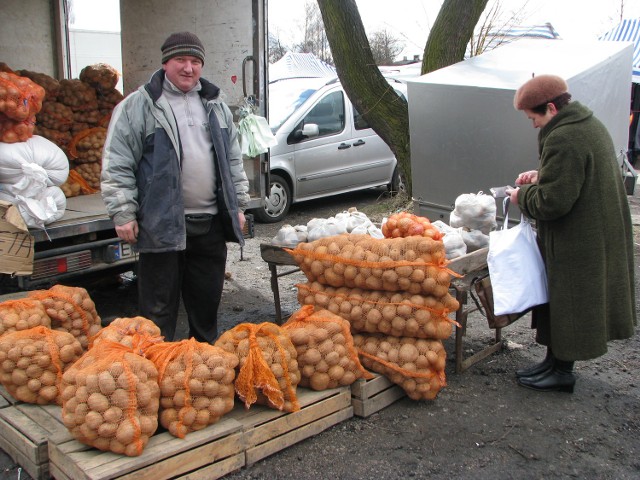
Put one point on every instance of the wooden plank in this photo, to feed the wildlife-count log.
(292, 421)
(273, 446)
(364, 389)
(469, 263)
(218, 469)
(364, 408)
(24, 434)
(7, 396)
(57, 473)
(77, 459)
(42, 417)
(4, 402)
(36, 471)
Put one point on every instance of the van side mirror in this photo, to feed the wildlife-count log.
(311, 130)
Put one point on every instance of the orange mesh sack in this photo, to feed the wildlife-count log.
(23, 314)
(267, 371)
(327, 357)
(416, 365)
(413, 264)
(86, 146)
(90, 172)
(32, 363)
(71, 310)
(20, 98)
(399, 314)
(13, 131)
(110, 399)
(196, 384)
(76, 185)
(55, 116)
(51, 85)
(137, 333)
(405, 224)
(77, 95)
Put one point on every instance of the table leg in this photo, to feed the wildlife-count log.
(276, 291)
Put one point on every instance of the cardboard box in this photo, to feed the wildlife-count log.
(16, 243)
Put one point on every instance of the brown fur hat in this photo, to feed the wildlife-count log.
(539, 90)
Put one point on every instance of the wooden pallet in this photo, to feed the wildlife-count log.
(25, 433)
(205, 455)
(268, 431)
(370, 396)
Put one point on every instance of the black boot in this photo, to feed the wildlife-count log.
(542, 367)
(559, 379)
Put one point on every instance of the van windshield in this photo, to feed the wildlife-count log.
(286, 96)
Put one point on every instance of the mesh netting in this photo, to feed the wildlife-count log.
(32, 363)
(326, 355)
(22, 314)
(110, 399)
(56, 116)
(416, 365)
(268, 371)
(405, 224)
(71, 310)
(20, 98)
(137, 333)
(414, 264)
(101, 76)
(196, 384)
(399, 314)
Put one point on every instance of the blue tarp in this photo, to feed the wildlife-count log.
(628, 31)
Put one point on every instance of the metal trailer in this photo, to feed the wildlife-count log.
(466, 136)
(34, 36)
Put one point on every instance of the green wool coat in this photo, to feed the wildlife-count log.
(585, 234)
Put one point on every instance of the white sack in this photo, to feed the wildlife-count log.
(36, 150)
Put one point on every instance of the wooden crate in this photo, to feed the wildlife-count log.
(370, 396)
(206, 454)
(25, 433)
(268, 431)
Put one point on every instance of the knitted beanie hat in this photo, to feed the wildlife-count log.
(182, 43)
(539, 90)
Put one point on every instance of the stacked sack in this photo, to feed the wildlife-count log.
(74, 116)
(394, 292)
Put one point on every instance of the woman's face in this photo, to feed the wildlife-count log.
(540, 120)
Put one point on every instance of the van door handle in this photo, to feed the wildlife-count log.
(343, 146)
(358, 143)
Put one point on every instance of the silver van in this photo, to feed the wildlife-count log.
(325, 147)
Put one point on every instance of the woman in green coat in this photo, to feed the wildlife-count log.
(579, 202)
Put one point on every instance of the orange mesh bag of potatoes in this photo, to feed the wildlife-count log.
(405, 224)
(413, 264)
(61, 139)
(51, 85)
(13, 131)
(86, 146)
(90, 172)
(399, 314)
(55, 116)
(32, 363)
(136, 333)
(327, 357)
(110, 399)
(268, 371)
(71, 310)
(20, 98)
(196, 384)
(76, 185)
(101, 76)
(22, 314)
(416, 365)
(77, 95)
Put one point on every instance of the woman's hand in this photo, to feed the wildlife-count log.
(526, 178)
(513, 195)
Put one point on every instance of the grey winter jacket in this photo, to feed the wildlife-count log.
(141, 166)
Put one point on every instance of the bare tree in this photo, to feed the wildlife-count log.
(277, 49)
(385, 111)
(385, 47)
(492, 27)
(314, 38)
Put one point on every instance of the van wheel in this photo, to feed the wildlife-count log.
(277, 204)
(397, 182)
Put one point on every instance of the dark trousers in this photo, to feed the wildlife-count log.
(197, 273)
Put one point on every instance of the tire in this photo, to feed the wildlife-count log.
(277, 203)
(397, 182)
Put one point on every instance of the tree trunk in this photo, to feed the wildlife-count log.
(380, 105)
(450, 33)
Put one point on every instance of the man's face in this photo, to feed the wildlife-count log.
(183, 71)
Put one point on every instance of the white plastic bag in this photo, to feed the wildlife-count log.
(516, 269)
(255, 135)
(474, 212)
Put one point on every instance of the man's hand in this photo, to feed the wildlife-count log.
(242, 220)
(128, 232)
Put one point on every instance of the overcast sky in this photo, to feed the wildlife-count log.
(410, 20)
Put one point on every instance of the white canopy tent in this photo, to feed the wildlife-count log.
(628, 31)
(300, 65)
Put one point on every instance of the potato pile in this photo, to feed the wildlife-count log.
(32, 363)
(416, 365)
(20, 100)
(110, 399)
(196, 384)
(412, 264)
(135, 333)
(398, 314)
(267, 367)
(405, 224)
(17, 315)
(71, 310)
(70, 108)
(326, 354)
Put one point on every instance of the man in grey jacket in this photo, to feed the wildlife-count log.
(173, 182)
